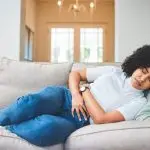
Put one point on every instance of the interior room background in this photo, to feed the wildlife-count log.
(38, 30)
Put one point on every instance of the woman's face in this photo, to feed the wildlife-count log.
(140, 79)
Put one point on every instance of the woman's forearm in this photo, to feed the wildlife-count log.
(74, 80)
(94, 109)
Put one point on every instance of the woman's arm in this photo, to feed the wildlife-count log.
(94, 109)
(97, 113)
(77, 101)
(74, 80)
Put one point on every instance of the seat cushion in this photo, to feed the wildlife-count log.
(10, 141)
(128, 135)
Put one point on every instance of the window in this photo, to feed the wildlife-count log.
(91, 45)
(76, 43)
(62, 45)
(28, 45)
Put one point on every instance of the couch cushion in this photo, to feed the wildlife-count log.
(10, 141)
(78, 66)
(128, 135)
(18, 78)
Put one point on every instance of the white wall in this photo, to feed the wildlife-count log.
(10, 28)
(132, 26)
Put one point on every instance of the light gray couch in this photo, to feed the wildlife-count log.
(19, 78)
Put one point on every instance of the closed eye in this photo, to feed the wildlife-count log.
(145, 70)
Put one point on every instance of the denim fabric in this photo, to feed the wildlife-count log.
(43, 118)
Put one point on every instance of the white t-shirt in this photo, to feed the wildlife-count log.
(113, 91)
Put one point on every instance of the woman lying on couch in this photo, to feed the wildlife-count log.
(50, 115)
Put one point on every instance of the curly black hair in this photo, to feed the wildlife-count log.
(139, 59)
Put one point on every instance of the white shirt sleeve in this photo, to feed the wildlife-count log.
(131, 109)
(93, 73)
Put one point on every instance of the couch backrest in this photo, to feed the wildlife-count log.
(78, 66)
(18, 78)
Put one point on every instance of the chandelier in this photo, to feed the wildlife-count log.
(77, 7)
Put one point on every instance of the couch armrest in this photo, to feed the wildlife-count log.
(127, 135)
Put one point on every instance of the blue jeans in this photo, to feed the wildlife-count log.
(43, 118)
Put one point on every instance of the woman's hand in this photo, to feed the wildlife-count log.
(78, 106)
